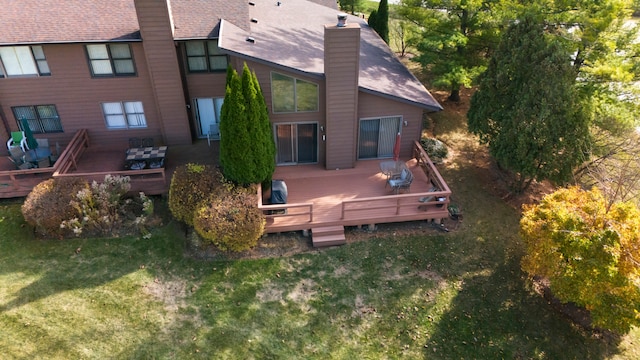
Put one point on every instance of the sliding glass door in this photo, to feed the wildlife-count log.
(297, 143)
(377, 136)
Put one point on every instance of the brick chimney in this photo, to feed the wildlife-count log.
(341, 68)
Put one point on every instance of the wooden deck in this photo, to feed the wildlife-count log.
(80, 158)
(320, 199)
(354, 197)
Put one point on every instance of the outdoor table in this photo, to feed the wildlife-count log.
(139, 158)
(392, 167)
(37, 155)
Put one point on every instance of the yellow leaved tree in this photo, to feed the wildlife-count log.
(589, 250)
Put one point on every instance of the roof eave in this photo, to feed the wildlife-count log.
(428, 107)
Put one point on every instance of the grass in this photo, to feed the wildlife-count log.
(430, 295)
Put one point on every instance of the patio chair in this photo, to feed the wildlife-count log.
(55, 155)
(401, 181)
(147, 142)
(213, 134)
(21, 165)
(135, 142)
(156, 164)
(18, 138)
(16, 154)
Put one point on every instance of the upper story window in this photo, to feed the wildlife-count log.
(41, 118)
(111, 60)
(23, 61)
(205, 56)
(123, 115)
(293, 95)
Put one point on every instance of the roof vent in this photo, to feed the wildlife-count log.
(251, 40)
(278, 3)
(342, 20)
(254, 20)
(252, 3)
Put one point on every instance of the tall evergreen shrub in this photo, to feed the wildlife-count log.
(247, 149)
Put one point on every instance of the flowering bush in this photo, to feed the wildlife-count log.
(104, 210)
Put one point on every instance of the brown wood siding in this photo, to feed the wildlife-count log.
(371, 106)
(161, 56)
(78, 97)
(341, 62)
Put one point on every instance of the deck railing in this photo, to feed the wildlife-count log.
(72, 153)
(69, 158)
(304, 210)
(435, 202)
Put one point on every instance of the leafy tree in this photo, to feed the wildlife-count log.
(380, 21)
(403, 35)
(457, 38)
(589, 251)
(247, 150)
(351, 6)
(526, 108)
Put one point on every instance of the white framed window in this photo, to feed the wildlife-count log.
(110, 60)
(23, 61)
(124, 115)
(205, 56)
(289, 94)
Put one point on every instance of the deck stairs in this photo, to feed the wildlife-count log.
(328, 236)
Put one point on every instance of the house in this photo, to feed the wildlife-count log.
(156, 68)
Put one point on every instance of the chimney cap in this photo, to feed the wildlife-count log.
(342, 20)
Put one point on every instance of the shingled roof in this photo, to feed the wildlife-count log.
(284, 35)
(288, 34)
(55, 21)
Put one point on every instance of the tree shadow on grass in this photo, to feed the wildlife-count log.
(495, 316)
(72, 265)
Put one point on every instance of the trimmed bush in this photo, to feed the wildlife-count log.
(192, 184)
(231, 221)
(49, 204)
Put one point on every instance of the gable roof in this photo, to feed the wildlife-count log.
(288, 34)
(284, 36)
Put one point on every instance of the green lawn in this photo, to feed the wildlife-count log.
(457, 295)
(436, 295)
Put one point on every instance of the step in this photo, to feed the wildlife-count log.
(328, 236)
(328, 230)
(328, 240)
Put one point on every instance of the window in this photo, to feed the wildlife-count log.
(111, 60)
(293, 95)
(123, 115)
(41, 118)
(23, 61)
(205, 56)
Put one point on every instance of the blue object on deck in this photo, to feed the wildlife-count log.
(279, 192)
